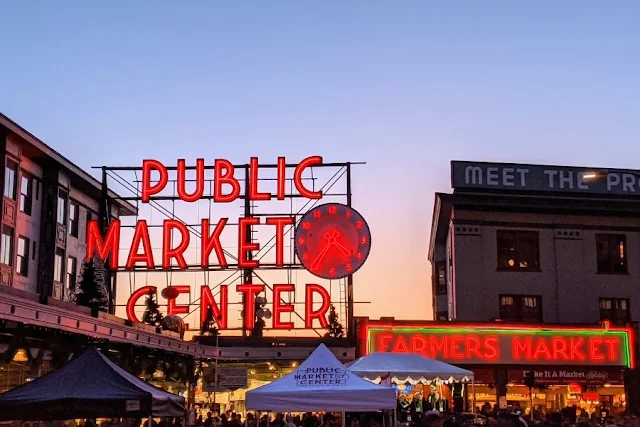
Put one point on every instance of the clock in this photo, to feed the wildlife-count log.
(332, 241)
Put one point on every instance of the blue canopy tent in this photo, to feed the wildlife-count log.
(90, 386)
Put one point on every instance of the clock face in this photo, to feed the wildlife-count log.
(332, 241)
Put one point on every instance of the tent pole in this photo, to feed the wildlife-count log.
(150, 422)
(473, 391)
(344, 419)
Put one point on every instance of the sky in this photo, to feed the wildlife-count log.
(404, 86)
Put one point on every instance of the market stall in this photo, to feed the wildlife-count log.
(90, 386)
(406, 368)
(321, 383)
(414, 373)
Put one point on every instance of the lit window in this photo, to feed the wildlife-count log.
(72, 272)
(615, 310)
(22, 258)
(611, 250)
(63, 198)
(26, 186)
(518, 250)
(10, 174)
(6, 250)
(57, 265)
(74, 213)
(521, 308)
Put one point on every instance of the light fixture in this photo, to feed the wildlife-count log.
(510, 384)
(21, 356)
(589, 175)
(294, 364)
(607, 385)
(253, 372)
(272, 368)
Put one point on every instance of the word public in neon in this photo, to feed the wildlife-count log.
(490, 344)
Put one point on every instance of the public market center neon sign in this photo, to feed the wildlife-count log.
(505, 344)
(226, 189)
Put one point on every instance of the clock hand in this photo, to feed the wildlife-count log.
(333, 240)
(342, 248)
(320, 257)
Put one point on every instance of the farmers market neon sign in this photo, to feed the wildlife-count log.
(505, 344)
(226, 189)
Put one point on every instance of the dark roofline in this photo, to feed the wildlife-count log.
(126, 208)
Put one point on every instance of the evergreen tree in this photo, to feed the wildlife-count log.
(209, 326)
(152, 315)
(335, 329)
(90, 291)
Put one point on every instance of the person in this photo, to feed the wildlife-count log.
(278, 421)
(432, 419)
(289, 421)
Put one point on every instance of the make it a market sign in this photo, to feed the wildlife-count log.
(332, 241)
(486, 344)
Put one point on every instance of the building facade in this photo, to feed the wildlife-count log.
(47, 202)
(537, 252)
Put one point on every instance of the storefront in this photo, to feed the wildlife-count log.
(571, 365)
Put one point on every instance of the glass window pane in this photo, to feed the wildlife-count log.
(10, 172)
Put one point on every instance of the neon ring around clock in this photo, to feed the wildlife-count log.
(332, 241)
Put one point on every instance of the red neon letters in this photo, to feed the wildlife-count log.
(102, 248)
(503, 347)
(224, 173)
(279, 307)
(219, 311)
(140, 251)
(309, 313)
(250, 291)
(219, 304)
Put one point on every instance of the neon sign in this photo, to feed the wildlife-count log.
(332, 241)
(505, 344)
(347, 229)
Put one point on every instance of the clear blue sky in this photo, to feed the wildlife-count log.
(406, 86)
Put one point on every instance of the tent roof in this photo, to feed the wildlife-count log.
(89, 386)
(407, 367)
(321, 383)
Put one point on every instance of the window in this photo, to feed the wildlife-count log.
(611, 251)
(22, 261)
(26, 186)
(62, 207)
(6, 251)
(616, 310)
(10, 175)
(518, 250)
(57, 266)
(74, 216)
(521, 308)
(72, 273)
(441, 278)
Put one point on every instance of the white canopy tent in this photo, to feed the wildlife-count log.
(409, 368)
(321, 383)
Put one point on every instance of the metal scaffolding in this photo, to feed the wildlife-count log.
(333, 179)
